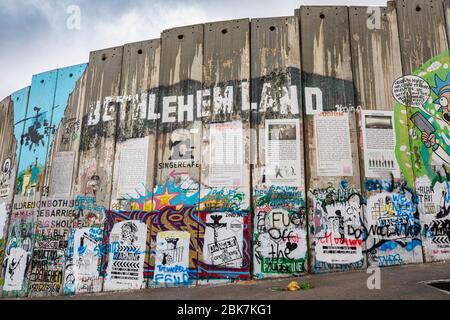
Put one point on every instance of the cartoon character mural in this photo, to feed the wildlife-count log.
(423, 148)
(442, 90)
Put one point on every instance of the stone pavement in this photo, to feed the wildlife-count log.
(401, 282)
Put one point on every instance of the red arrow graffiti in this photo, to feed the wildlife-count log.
(174, 173)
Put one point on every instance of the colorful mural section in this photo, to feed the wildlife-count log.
(39, 226)
(46, 106)
(423, 103)
(192, 240)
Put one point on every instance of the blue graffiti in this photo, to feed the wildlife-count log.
(392, 245)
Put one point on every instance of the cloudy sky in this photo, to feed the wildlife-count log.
(35, 37)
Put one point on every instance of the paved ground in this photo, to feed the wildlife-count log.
(404, 282)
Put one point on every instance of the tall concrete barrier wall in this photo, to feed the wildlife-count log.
(230, 151)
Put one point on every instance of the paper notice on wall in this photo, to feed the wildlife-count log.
(333, 147)
(226, 154)
(283, 153)
(133, 167)
(16, 264)
(336, 243)
(379, 144)
(62, 174)
(86, 261)
(224, 241)
(126, 261)
(172, 258)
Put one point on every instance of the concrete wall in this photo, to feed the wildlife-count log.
(233, 150)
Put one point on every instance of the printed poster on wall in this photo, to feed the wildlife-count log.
(336, 243)
(283, 153)
(82, 271)
(226, 154)
(52, 236)
(379, 144)
(125, 270)
(172, 258)
(333, 147)
(224, 241)
(17, 261)
(133, 167)
(62, 174)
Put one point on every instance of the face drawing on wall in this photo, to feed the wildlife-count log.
(128, 234)
(5, 173)
(6, 167)
(442, 90)
(93, 184)
(181, 146)
(69, 281)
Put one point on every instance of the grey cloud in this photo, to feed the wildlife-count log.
(35, 38)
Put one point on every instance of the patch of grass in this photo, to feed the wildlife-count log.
(306, 286)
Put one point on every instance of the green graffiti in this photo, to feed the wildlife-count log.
(282, 265)
(422, 131)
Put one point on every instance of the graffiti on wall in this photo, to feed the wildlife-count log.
(423, 150)
(4, 215)
(82, 269)
(225, 241)
(51, 238)
(34, 141)
(173, 220)
(336, 228)
(172, 258)
(279, 239)
(125, 269)
(19, 248)
(85, 248)
(176, 206)
(48, 98)
(392, 229)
